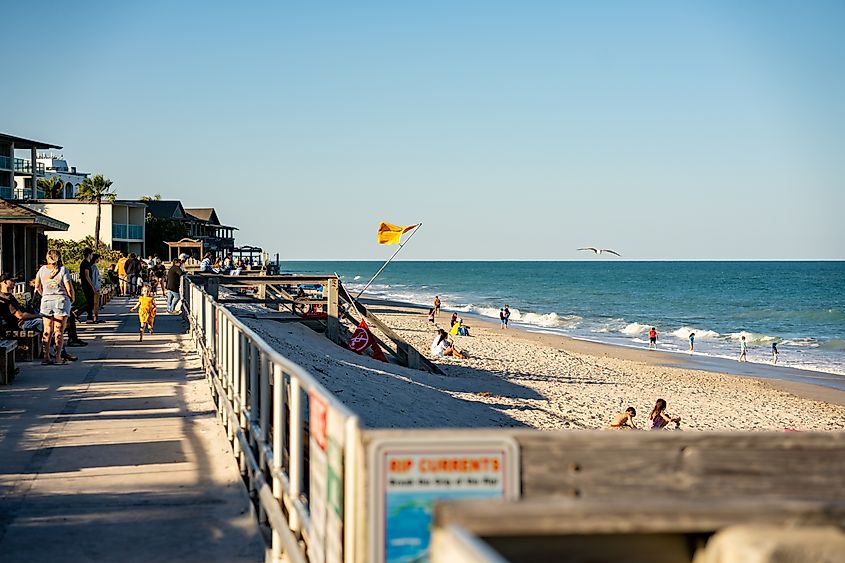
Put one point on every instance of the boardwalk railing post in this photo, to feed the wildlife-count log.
(332, 321)
(278, 415)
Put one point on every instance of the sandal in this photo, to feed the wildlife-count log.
(47, 362)
(61, 362)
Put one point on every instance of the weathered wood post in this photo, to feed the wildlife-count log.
(212, 286)
(332, 321)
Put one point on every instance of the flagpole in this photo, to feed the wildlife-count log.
(369, 283)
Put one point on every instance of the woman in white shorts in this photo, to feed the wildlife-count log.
(53, 283)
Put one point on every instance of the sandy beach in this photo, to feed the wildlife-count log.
(518, 378)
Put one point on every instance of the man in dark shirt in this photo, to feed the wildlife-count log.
(173, 285)
(133, 270)
(87, 283)
(14, 317)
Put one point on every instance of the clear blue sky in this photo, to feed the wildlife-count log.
(518, 130)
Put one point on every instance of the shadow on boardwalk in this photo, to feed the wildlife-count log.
(119, 456)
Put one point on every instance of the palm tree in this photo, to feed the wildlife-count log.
(94, 190)
(52, 187)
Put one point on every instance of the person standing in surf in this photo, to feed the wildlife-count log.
(502, 316)
(743, 350)
(774, 352)
(652, 339)
(436, 304)
(691, 341)
(506, 316)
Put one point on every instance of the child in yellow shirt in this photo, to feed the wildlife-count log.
(146, 307)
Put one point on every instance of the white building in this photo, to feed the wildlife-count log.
(52, 166)
(121, 222)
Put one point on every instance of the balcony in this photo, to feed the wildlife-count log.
(6, 162)
(25, 166)
(127, 232)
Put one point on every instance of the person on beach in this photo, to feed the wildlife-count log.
(743, 350)
(624, 420)
(146, 307)
(658, 419)
(774, 353)
(506, 316)
(652, 339)
(436, 304)
(453, 320)
(431, 315)
(502, 316)
(441, 346)
(691, 341)
(57, 295)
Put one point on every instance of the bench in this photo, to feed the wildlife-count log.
(7, 355)
(29, 343)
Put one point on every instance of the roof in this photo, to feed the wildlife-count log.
(22, 143)
(206, 214)
(165, 208)
(14, 214)
(105, 201)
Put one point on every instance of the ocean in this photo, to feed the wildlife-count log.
(798, 305)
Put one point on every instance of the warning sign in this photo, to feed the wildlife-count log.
(408, 476)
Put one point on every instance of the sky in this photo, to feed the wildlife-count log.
(511, 130)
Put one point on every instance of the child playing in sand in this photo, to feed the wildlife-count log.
(659, 419)
(146, 307)
(431, 315)
(624, 420)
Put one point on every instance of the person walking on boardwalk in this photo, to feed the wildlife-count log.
(691, 342)
(506, 316)
(86, 280)
(743, 350)
(121, 275)
(173, 285)
(774, 352)
(133, 272)
(436, 304)
(13, 315)
(57, 295)
(146, 307)
(652, 339)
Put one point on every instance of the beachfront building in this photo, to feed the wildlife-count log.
(201, 222)
(18, 176)
(121, 222)
(53, 166)
(23, 238)
(205, 226)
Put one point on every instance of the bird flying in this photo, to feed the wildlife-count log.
(601, 250)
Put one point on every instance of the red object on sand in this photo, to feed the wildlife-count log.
(361, 338)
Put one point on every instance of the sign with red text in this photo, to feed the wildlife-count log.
(408, 475)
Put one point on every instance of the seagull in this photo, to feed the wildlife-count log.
(601, 250)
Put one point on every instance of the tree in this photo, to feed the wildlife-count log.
(161, 230)
(52, 187)
(156, 197)
(94, 190)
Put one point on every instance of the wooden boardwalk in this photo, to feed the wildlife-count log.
(120, 456)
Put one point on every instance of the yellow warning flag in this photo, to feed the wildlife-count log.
(390, 234)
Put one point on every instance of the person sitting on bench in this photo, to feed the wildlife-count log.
(14, 316)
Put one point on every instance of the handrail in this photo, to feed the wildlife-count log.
(265, 403)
